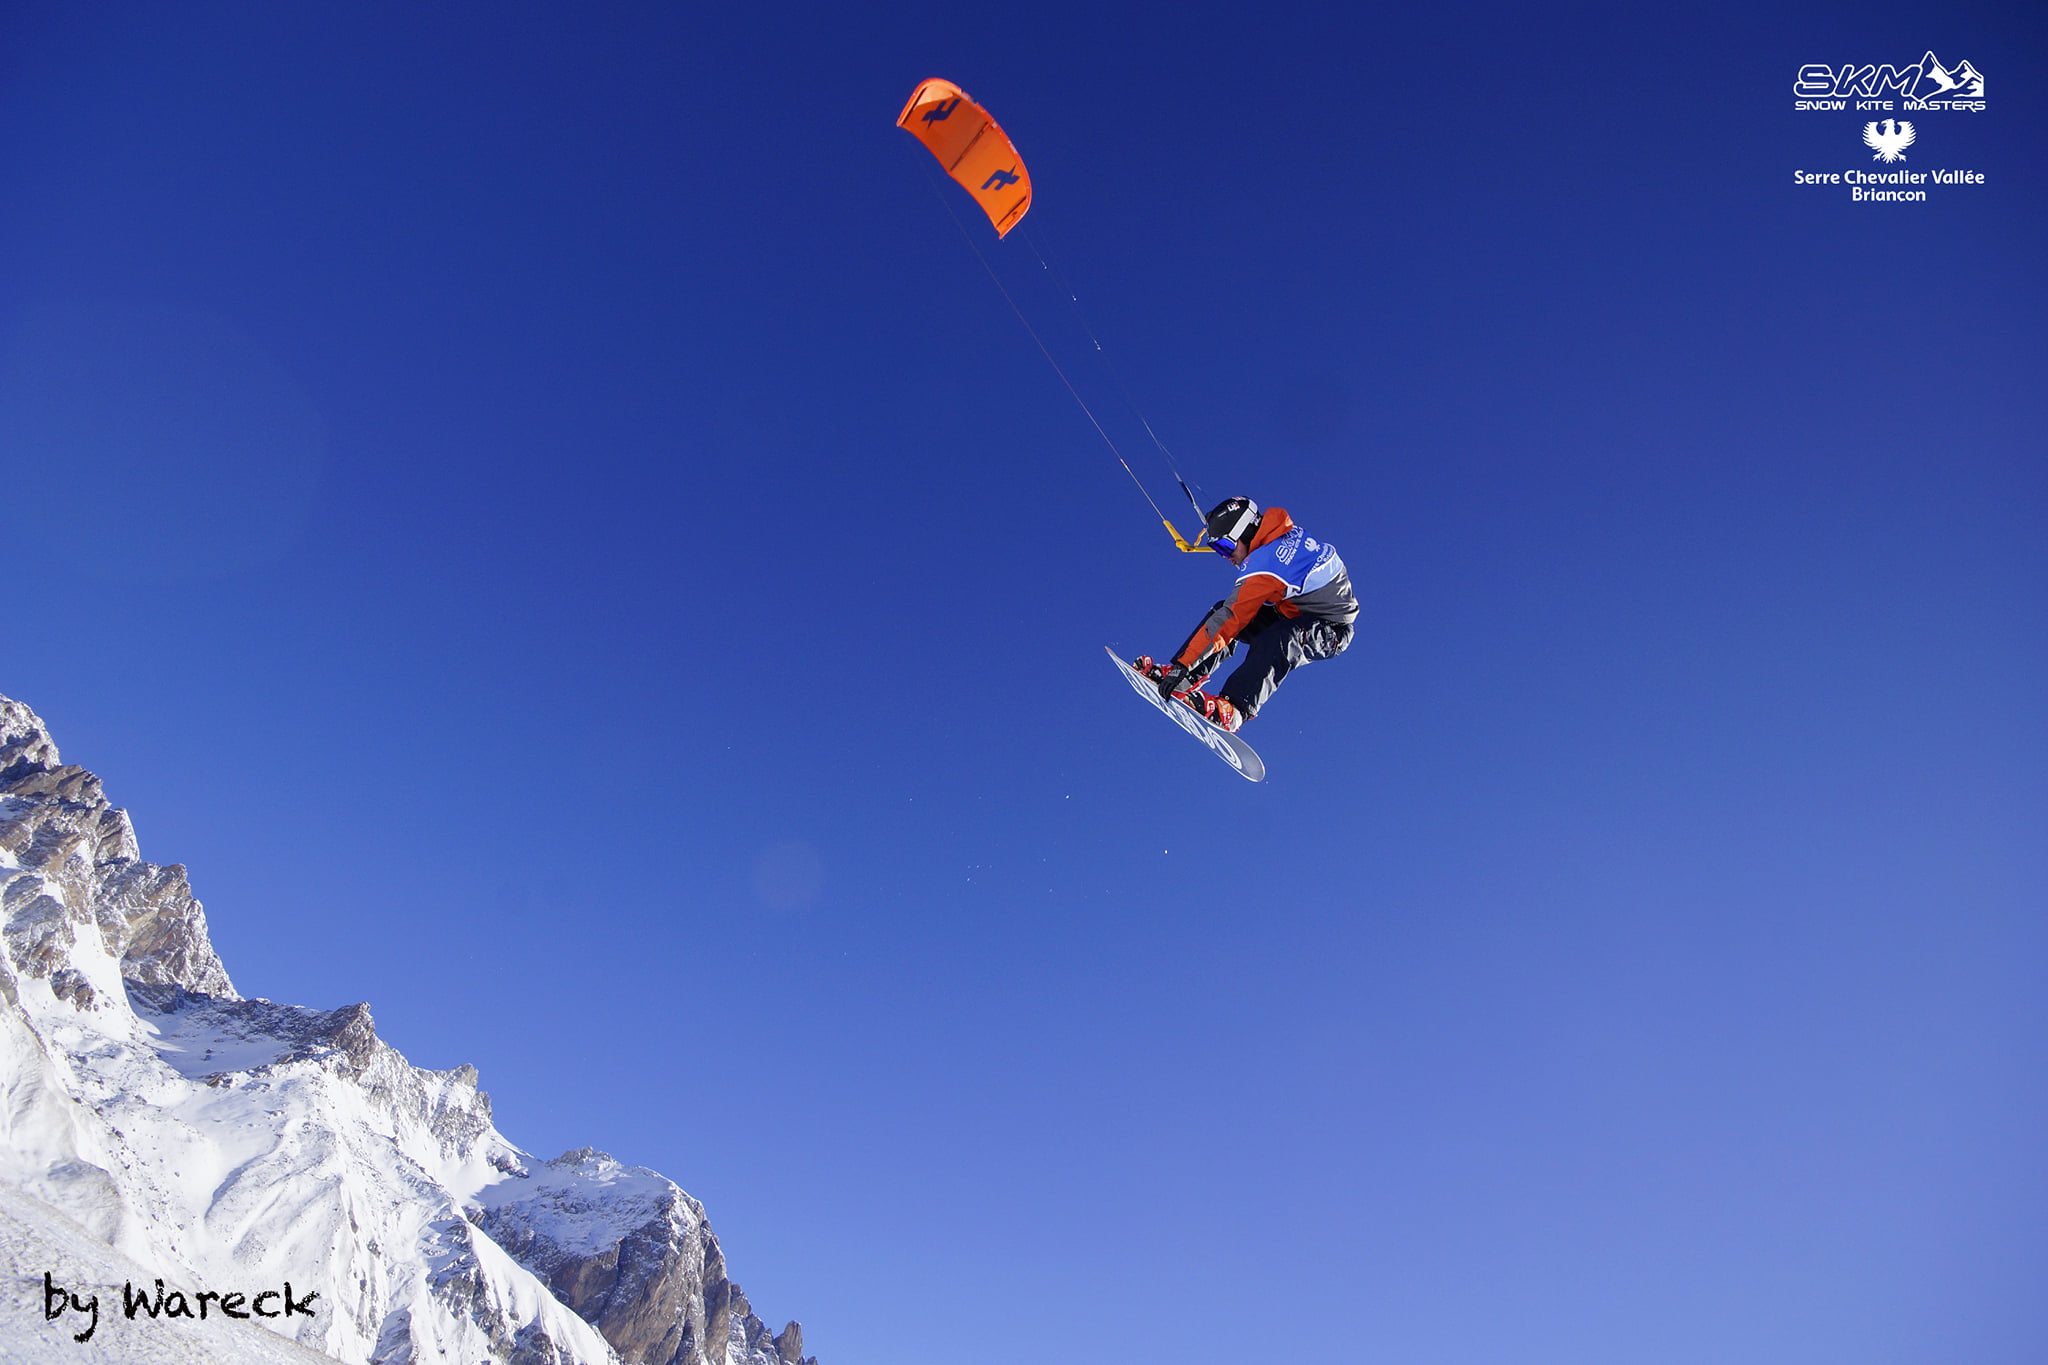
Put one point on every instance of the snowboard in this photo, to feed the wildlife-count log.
(1226, 746)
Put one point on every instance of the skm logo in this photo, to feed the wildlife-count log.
(1856, 81)
(1926, 79)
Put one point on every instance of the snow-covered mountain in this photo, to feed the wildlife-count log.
(283, 1171)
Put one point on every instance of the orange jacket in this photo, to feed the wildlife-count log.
(1253, 591)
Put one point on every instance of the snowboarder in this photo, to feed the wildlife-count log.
(1292, 605)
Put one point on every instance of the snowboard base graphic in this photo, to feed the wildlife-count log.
(1225, 745)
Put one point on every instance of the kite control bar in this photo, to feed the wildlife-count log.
(1200, 536)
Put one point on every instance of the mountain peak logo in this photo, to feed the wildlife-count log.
(1889, 145)
(1937, 81)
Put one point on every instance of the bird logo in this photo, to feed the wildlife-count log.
(1890, 145)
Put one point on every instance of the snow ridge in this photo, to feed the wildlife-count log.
(156, 1125)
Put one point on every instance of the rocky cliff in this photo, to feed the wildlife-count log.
(156, 1125)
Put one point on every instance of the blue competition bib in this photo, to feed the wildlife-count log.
(1297, 559)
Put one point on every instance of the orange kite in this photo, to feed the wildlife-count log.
(972, 148)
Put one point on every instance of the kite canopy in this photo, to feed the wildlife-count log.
(972, 148)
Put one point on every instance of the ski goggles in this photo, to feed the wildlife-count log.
(1224, 546)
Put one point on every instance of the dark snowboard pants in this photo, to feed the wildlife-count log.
(1274, 645)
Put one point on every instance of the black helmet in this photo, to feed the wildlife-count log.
(1234, 519)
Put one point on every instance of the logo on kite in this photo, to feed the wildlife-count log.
(975, 152)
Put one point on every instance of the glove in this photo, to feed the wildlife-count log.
(1173, 678)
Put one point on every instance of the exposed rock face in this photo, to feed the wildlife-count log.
(633, 1255)
(76, 866)
(127, 1060)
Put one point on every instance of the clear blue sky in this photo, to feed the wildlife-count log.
(538, 507)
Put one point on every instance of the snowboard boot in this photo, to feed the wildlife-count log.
(1216, 710)
(1143, 663)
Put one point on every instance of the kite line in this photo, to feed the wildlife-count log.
(1093, 421)
(1074, 300)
